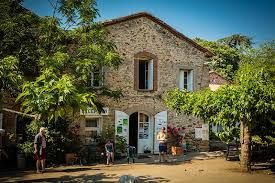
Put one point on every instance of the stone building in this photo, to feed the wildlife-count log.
(216, 80)
(156, 59)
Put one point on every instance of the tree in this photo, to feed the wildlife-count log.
(251, 96)
(228, 53)
(18, 35)
(67, 58)
(237, 41)
(225, 60)
(10, 79)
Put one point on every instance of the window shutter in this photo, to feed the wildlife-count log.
(155, 75)
(190, 81)
(151, 75)
(136, 82)
(181, 79)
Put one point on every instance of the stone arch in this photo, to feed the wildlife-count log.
(148, 110)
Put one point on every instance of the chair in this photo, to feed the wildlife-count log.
(131, 153)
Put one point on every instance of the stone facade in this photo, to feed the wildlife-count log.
(144, 36)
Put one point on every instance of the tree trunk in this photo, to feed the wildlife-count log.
(1, 107)
(245, 139)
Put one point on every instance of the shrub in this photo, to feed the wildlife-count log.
(174, 136)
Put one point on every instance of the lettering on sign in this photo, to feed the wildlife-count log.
(91, 112)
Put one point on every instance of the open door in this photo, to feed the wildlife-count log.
(160, 121)
(122, 124)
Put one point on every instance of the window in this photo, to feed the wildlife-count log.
(97, 77)
(92, 123)
(186, 80)
(145, 68)
(92, 129)
(144, 126)
(145, 71)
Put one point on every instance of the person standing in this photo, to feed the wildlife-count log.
(40, 149)
(109, 148)
(162, 138)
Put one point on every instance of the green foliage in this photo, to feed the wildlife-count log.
(120, 145)
(26, 147)
(225, 60)
(251, 98)
(76, 11)
(264, 56)
(59, 139)
(10, 77)
(18, 30)
(66, 61)
(230, 134)
(237, 41)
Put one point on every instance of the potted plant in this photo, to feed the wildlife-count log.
(175, 140)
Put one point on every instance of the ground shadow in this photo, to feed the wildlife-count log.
(71, 170)
(263, 166)
(151, 179)
(100, 177)
(8, 176)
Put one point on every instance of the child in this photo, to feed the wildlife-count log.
(109, 148)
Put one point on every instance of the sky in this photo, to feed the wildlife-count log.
(206, 19)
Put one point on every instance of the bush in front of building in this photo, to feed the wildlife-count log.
(60, 140)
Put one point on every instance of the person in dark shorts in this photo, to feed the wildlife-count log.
(162, 138)
(40, 150)
(109, 148)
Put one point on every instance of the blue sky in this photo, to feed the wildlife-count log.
(207, 19)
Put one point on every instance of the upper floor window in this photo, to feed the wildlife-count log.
(97, 77)
(145, 71)
(186, 80)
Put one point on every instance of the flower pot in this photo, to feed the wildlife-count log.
(21, 161)
(70, 158)
(176, 150)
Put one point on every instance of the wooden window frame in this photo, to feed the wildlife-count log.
(141, 56)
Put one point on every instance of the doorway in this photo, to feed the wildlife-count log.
(133, 129)
(141, 132)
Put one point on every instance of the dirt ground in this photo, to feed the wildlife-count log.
(212, 170)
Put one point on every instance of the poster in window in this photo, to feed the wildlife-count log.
(141, 130)
(146, 127)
